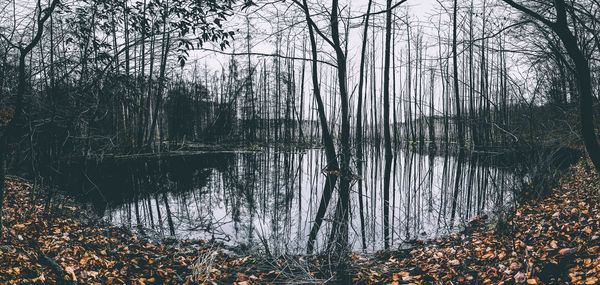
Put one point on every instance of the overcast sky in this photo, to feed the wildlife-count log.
(264, 26)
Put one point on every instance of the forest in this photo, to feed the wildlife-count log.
(299, 141)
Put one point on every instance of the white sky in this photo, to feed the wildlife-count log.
(265, 26)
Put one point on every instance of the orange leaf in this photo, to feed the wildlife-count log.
(567, 251)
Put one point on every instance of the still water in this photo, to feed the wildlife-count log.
(269, 198)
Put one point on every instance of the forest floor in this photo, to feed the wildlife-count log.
(555, 240)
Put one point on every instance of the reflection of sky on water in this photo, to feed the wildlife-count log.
(270, 198)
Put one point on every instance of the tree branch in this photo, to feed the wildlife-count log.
(379, 12)
(266, 54)
(530, 12)
(40, 22)
(313, 24)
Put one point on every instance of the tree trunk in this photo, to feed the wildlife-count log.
(386, 81)
(586, 98)
(458, 118)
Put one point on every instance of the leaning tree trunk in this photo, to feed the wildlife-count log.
(586, 97)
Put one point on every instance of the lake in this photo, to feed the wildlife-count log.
(269, 198)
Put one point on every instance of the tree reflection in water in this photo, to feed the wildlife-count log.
(268, 200)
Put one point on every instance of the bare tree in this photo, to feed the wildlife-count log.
(458, 118)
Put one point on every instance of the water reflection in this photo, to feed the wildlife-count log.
(268, 200)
